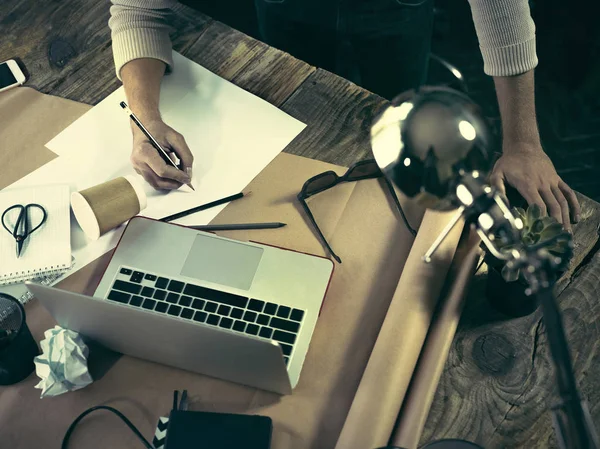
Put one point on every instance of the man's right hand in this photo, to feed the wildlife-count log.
(141, 79)
(147, 161)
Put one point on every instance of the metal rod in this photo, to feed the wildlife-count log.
(574, 432)
(440, 238)
(490, 245)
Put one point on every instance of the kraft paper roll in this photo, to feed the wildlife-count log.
(377, 403)
(426, 376)
(108, 205)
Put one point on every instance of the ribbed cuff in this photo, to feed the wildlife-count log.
(512, 60)
(139, 43)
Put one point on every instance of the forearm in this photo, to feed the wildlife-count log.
(140, 30)
(516, 99)
(524, 165)
(141, 80)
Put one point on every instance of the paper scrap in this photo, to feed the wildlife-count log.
(62, 366)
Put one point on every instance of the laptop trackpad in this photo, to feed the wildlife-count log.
(232, 264)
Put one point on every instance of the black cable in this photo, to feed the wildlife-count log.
(453, 70)
(408, 226)
(110, 409)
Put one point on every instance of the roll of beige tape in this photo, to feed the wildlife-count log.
(103, 207)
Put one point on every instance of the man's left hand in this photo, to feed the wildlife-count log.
(528, 169)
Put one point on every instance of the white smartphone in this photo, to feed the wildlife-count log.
(11, 75)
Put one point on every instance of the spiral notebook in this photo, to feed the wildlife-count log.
(47, 251)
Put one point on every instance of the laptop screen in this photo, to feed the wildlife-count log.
(223, 262)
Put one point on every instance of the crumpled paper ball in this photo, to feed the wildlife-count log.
(63, 363)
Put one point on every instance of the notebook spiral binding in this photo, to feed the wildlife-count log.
(48, 279)
(21, 276)
(49, 269)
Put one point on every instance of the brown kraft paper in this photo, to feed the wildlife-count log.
(384, 383)
(29, 120)
(430, 366)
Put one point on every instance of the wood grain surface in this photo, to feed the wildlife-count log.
(339, 114)
(498, 383)
(66, 45)
(250, 64)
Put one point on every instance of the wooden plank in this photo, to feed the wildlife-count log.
(66, 45)
(250, 64)
(585, 238)
(55, 40)
(338, 114)
(498, 382)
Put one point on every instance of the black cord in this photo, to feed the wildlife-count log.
(175, 399)
(110, 409)
(408, 226)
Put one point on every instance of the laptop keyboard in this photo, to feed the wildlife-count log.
(250, 316)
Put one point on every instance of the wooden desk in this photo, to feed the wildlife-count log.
(498, 382)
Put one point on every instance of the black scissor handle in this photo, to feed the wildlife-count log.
(45, 215)
(14, 231)
(23, 215)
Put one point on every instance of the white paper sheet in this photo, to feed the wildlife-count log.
(187, 77)
(232, 134)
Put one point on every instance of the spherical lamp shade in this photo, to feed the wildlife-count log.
(425, 139)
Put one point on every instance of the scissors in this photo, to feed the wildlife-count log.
(21, 230)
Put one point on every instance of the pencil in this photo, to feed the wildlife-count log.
(202, 207)
(238, 226)
(161, 151)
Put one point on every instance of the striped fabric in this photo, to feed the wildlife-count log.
(160, 434)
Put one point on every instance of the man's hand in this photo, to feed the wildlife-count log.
(523, 164)
(141, 79)
(147, 162)
(528, 169)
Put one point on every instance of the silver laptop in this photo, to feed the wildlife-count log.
(238, 311)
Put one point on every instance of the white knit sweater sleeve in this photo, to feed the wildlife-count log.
(140, 29)
(506, 35)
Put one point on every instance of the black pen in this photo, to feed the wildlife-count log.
(202, 207)
(237, 226)
(153, 141)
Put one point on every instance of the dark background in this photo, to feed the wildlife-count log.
(567, 78)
